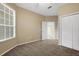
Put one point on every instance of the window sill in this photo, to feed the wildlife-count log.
(6, 39)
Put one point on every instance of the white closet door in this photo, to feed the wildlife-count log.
(44, 30)
(67, 31)
(59, 32)
(76, 32)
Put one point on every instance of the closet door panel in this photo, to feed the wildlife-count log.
(67, 31)
(76, 32)
(59, 31)
(44, 31)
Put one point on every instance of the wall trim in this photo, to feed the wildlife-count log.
(27, 42)
(16, 46)
(69, 14)
(8, 50)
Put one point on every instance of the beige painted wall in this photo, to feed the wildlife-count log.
(28, 26)
(4, 46)
(68, 8)
(52, 18)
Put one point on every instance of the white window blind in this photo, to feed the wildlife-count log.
(7, 22)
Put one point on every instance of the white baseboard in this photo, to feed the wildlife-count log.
(28, 42)
(16, 46)
(8, 50)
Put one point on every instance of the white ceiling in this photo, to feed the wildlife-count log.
(42, 8)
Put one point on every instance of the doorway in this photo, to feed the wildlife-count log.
(48, 30)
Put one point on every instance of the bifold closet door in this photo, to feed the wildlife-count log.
(66, 31)
(44, 30)
(76, 32)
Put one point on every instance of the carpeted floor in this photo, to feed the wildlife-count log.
(42, 48)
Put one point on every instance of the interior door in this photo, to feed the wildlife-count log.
(67, 31)
(76, 31)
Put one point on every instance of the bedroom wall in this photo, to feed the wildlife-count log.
(68, 8)
(28, 28)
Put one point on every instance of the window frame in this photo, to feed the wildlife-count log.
(14, 22)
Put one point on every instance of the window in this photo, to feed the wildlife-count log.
(7, 23)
